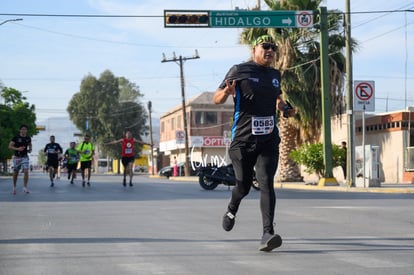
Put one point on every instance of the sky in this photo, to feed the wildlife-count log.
(46, 57)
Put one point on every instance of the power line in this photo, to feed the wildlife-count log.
(159, 16)
(80, 15)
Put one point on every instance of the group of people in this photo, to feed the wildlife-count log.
(83, 152)
(255, 87)
(21, 144)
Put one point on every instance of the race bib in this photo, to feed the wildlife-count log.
(128, 150)
(262, 125)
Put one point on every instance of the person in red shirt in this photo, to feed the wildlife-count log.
(128, 154)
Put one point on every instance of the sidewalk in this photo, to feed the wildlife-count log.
(399, 188)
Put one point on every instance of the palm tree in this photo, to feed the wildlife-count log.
(298, 60)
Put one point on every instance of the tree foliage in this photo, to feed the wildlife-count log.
(311, 156)
(107, 107)
(298, 59)
(14, 112)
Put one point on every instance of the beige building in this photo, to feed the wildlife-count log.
(209, 125)
(392, 133)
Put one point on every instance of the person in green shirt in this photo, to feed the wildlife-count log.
(86, 151)
(72, 159)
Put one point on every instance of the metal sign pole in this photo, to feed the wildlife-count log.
(363, 145)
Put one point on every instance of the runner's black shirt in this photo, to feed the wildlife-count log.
(21, 141)
(257, 89)
(52, 151)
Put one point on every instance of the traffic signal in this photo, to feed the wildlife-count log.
(186, 19)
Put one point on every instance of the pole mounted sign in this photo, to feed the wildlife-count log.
(364, 99)
(238, 19)
(179, 136)
(261, 19)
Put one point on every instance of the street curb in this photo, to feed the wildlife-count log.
(405, 188)
(408, 189)
(401, 190)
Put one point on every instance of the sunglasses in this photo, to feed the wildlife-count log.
(267, 46)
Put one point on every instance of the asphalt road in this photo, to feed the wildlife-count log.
(161, 226)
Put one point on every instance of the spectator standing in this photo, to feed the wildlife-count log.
(175, 168)
(343, 163)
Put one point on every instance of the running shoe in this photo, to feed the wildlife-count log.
(130, 184)
(25, 190)
(270, 242)
(228, 221)
(14, 192)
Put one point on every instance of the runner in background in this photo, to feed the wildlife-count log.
(72, 158)
(53, 150)
(128, 154)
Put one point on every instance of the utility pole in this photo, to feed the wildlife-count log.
(152, 140)
(180, 60)
(350, 152)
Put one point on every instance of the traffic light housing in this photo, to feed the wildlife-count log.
(186, 19)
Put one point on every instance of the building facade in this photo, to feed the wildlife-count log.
(392, 133)
(209, 126)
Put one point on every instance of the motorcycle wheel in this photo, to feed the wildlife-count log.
(206, 183)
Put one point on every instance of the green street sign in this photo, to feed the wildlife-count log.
(261, 19)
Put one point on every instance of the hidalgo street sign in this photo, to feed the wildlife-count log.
(261, 19)
(238, 19)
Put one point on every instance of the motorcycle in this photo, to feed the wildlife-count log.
(211, 176)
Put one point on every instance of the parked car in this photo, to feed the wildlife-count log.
(168, 171)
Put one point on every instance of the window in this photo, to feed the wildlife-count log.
(179, 122)
(203, 118)
(162, 127)
(172, 123)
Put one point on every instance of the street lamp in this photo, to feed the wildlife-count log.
(11, 20)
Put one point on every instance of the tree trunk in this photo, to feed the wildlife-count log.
(288, 170)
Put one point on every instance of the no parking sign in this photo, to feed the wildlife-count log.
(364, 99)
